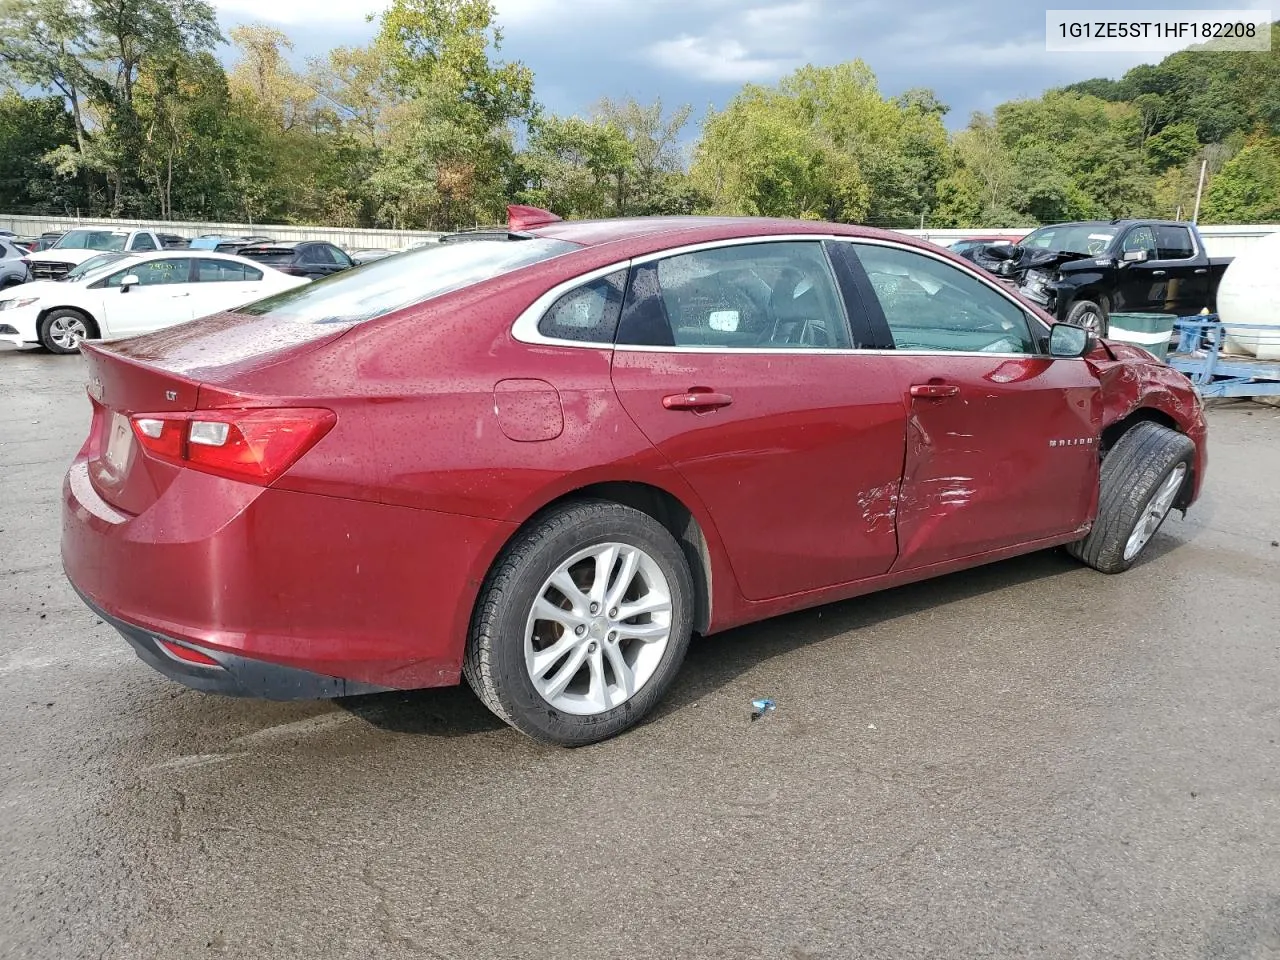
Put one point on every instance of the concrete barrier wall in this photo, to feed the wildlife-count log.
(1221, 241)
(348, 239)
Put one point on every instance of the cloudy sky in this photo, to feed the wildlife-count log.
(973, 53)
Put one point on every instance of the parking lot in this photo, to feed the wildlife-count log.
(1027, 759)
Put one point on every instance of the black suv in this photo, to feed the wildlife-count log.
(302, 258)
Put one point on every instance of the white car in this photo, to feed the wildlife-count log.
(121, 294)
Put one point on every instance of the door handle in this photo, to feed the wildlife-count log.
(697, 399)
(1202, 269)
(934, 391)
(177, 295)
(1157, 273)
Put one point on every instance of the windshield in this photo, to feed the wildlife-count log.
(92, 240)
(385, 285)
(1090, 238)
(94, 264)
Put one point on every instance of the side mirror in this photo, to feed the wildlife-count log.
(130, 281)
(1068, 341)
(1135, 256)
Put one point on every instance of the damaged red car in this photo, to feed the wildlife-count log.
(542, 458)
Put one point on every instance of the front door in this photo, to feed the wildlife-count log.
(736, 363)
(1001, 441)
(160, 298)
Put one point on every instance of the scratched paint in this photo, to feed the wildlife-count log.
(879, 506)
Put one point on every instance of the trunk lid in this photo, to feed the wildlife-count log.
(188, 367)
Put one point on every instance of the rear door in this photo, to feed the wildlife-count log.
(1001, 444)
(222, 284)
(161, 298)
(1186, 269)
(736, 361)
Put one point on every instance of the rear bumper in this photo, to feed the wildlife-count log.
(292, 593)
(234, 676)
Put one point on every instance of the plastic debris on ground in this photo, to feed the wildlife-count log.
(760, 707)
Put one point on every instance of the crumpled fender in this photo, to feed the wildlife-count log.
(1133, 383)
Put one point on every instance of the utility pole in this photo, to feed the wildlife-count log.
(1195, 217)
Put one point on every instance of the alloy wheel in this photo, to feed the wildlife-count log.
(598, 628)
(67, 332)
(1156, 510)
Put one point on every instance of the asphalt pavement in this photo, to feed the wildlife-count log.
(1030, 759)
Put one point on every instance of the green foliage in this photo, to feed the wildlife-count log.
(825, 144)
(428, 127)
(762, 157)
(1175, 144)
(1247, 190)
(29, 131)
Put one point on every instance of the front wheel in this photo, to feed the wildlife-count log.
(1092, 316)
(63, 330)
(1141, 480)
(582, 624)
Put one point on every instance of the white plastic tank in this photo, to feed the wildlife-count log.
(1250, 293)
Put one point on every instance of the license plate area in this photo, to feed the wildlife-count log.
(119, 444)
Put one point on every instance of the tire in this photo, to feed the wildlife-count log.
(62, 330)
(501, 659)
(1090, 315)
(1142, 478)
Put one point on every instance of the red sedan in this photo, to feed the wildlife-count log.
(541, 459)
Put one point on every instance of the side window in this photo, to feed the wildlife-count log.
(142, 241)
(1140, 238)
(588, 313)
(318, 254)
(154, 273)
(931, 305)
(225, 271)
(1174, 243)
(340, 257)
(747, 296)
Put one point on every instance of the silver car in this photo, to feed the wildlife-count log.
(13, 269)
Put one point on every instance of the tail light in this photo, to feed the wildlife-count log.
(255, 445)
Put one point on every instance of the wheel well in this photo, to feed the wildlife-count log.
(1144, 415)
(93, 324)
(1114, 432)
(678, 520)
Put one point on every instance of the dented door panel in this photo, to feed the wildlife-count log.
(1010, 458)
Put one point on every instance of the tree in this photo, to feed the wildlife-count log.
(653, 182)
(29, 131)
(762, 156)
(93, 52)
(450, 159)
(1247, 190)
(1173, 145)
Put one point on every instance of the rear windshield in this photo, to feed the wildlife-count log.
(382, 286)
(273, 255)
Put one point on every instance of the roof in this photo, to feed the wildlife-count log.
(590, 233)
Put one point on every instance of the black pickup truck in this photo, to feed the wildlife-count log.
(1082, 272)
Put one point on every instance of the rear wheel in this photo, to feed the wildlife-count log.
(582, 624)
(1142, 477)
(1092, 316)
(62, 330)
